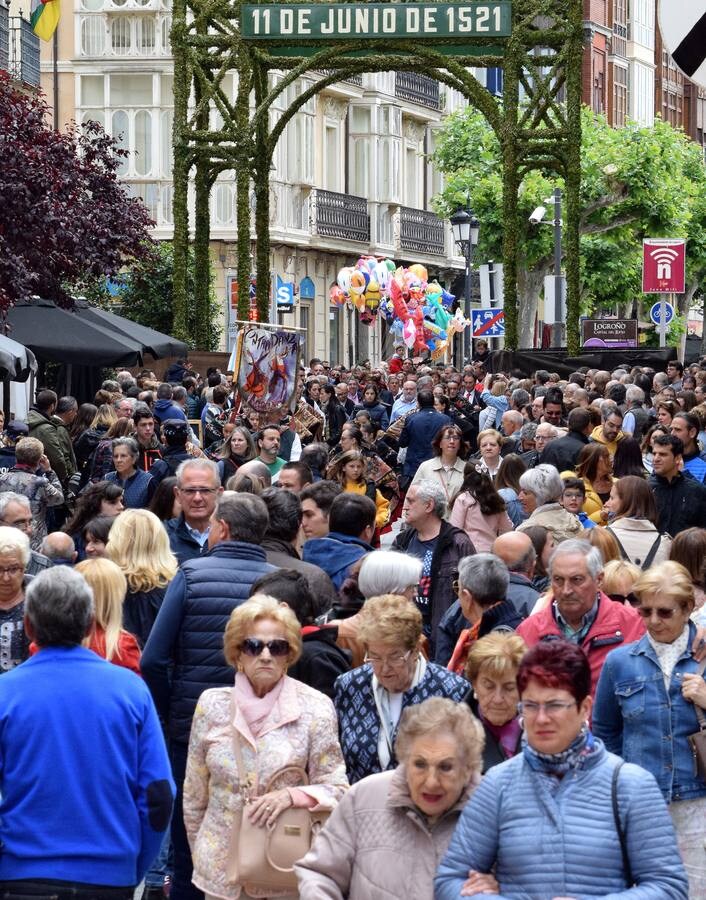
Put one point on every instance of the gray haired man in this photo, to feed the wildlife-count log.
(439, 545)
(65, 713)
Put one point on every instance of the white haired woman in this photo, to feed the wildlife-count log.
(540, 493)
(388, 834)
(14, 556)
(381, 572)
(276, 722)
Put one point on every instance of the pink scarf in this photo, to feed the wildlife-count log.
(255, 710)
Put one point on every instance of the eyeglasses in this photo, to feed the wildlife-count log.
(11, 571)
(392, 661)
(18, 523)
(630, 598)
(662, 612)
(568, 496)
(191, 492)
(553, 708)
(254, 647)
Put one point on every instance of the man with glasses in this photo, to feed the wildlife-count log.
(581, 612)
(187, 636)
(197, 489)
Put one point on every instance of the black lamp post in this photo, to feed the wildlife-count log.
(465, 227)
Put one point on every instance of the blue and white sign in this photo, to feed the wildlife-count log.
(656, 315)
(284, 295)
(488, 323)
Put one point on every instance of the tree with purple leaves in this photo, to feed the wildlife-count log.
(64, 217)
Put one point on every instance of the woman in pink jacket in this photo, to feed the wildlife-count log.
(479, 509)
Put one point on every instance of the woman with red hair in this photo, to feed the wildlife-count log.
(564, 818)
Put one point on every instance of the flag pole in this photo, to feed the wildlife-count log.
(55, 73)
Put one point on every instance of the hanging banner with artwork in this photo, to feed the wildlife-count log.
(266, 368)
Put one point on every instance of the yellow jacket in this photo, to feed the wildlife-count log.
(382, 505)
(592, 504)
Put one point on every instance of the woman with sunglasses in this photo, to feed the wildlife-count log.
(646, 703)
(544, 822)
(269, 721)
(370, 699)
(633, 512)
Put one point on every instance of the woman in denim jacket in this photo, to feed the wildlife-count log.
(644, 708)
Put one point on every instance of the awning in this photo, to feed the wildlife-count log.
(17, 363)
(155, 343)
(57, 335)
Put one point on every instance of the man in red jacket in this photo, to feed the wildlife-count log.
(580, 611)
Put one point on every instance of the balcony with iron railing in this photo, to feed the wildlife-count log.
(349, 79)
(340, 216)
(417, 88)
(421, 231)
(24, 52)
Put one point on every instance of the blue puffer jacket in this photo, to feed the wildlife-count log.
(182, 544)
(636, 718)
(560, 841)
(188, 631)
(358, 720)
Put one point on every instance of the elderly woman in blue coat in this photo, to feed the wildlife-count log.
(544, 821)
(646, 704)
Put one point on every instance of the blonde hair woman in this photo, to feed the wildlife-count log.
(491, 667)
(490, 443)
(139, 545)
(370, 700)
(108, 638)
(277, 722)
(638, 683)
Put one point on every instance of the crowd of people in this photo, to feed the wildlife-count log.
(449, 622)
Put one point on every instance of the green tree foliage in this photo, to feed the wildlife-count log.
(145, 296)
(636, 182)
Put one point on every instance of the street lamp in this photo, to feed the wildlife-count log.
(465, 227)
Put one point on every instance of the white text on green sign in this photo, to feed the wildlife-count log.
(381, 21)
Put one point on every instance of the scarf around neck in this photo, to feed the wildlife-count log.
(255, 709)
(558, 764)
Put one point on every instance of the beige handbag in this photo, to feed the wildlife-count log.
(697, 741)
(261, 859)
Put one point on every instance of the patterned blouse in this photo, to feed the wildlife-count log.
(302, 730)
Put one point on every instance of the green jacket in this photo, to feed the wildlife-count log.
(57, 444)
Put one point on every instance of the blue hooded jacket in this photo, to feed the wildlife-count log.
(335, 554)
(167, 409)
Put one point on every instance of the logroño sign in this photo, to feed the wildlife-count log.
(376, 21)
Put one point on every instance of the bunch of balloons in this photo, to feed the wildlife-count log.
(364, 285)
(419, 311)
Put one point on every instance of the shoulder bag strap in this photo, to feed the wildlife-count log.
(249, 780)
(627, 870)
(617, 541)
(699, 712)
(653, 552)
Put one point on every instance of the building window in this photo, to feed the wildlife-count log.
(307, 338)
(620, 96)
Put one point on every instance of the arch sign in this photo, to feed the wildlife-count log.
(375, 21)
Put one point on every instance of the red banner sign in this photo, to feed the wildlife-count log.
(663, 266)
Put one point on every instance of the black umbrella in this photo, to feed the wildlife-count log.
(17, 363)
(58, 335)
(153, 342)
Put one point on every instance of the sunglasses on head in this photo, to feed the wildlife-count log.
(662, 612)
(254, 647)
(626, 598)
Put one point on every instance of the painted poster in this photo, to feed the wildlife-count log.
(267, 365)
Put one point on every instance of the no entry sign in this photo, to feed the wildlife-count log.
(663, 266)
(683, 26)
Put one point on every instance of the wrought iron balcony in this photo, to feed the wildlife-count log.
(342, 216)
(419, 89)
(24, 54)
(421, 231)
(4, 38)
(350, 79)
